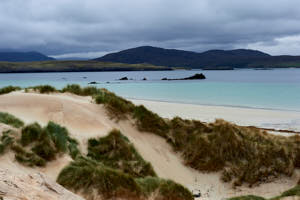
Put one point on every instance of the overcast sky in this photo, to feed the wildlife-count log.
(91, 28)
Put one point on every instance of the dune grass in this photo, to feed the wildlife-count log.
(37, 145)
(11, 120)
(43, 89)
(26, 157)
(294, 192)
(46, 143)
(150, 122)
(117, 107)
(249, 197)
(85, 175)
(78, 90)
(7, 139)
(8, 89)
(117, 152)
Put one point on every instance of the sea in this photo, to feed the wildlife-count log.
(277, 89)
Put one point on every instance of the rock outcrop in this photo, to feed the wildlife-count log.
(31, 187)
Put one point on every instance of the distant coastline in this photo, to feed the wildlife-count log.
(75, 66)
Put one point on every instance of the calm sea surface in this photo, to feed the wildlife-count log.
(270, 89)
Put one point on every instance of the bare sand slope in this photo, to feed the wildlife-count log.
(85, 120)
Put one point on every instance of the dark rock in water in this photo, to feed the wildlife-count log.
(107, 82)
(93, 82)
(123, 79)
(84, 77)
(194, 77)
(144, 79)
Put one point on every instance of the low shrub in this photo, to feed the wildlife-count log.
(11, 120)
(9, 89)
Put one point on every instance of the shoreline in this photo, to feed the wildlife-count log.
(283, 121)
(212, 105)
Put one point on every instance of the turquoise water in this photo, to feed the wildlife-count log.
(270, 89)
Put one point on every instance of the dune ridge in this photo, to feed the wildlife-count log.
(85, 119)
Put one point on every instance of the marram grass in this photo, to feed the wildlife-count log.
(11, 120)
(36, 145)
(116, 151)
(95, 181)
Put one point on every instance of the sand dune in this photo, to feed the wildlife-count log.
(85, 120)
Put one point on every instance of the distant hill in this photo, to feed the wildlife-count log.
(239, 58)
(23, 56)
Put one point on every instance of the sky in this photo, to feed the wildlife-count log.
(92, 28)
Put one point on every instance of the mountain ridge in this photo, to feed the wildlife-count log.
(237, 58)
(15, 56)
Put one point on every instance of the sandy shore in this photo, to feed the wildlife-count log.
(85, 119)
(263, 118)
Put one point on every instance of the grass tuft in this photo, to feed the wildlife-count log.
(44, 89)
(117, 152)
(149, 121)
(8, 89)
(27, 158)
(11, 120)
(117, 107)
(31, 133)
(86, 176)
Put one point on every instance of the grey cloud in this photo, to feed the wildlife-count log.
(76, 27)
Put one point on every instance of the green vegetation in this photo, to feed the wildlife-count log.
(149, 121)
(76, 89)
(116, 106)
(26, 157)
(294, 192)
(250, 197)
(11, 120)
(43, 89)
(36, 145)
(9, 89)
(114, 169)
(7, 140)
(74, 66)
(92, 178)
(117, 152)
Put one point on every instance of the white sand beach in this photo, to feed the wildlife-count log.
(85, 119)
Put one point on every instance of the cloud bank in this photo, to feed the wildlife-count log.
(91, 27)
